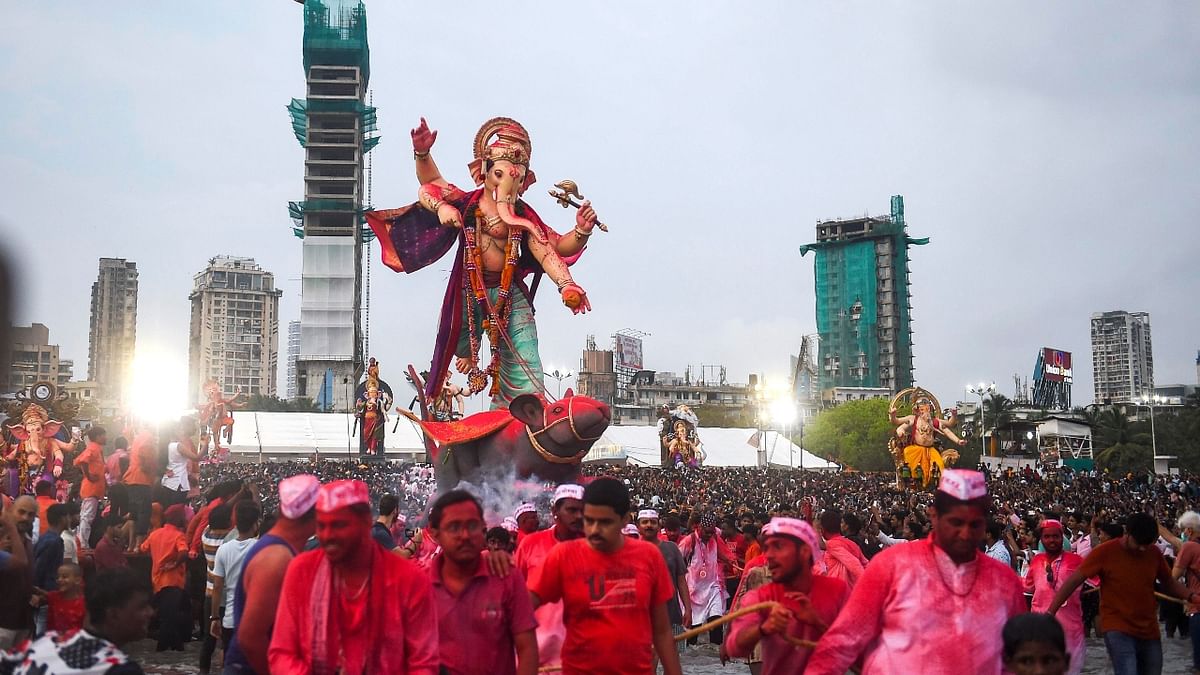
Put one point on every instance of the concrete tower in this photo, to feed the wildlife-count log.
(336, 129)
(1122, 356)
(112, 334)
(234, 335)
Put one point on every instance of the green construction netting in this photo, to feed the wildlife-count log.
(335, 33)
(847, 315)
(296, 212)
(847, 311)
(296, 109)
(299, 108)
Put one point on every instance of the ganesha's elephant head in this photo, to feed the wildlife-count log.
(502, 168)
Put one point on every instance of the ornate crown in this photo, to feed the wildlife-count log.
(512, 141)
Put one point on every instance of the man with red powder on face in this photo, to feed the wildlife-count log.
(808, 603)
(567, 509)
(350, 606)
(1047, 571)
(930, 606)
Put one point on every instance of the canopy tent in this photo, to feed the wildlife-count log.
(724, 447)
(286, 435)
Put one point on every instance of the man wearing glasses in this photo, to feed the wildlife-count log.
(1045, 575)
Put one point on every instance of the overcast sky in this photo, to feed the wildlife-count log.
(1050, 150)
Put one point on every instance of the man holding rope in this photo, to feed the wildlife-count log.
(679, 608)
(614, 591)
(929, 606)
(1128, 567)
(796, 607)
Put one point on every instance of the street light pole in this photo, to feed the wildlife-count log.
(1149, 403)
(559, 377)
(982, 389)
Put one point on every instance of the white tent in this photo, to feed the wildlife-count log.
(286, 435)
(724, 447)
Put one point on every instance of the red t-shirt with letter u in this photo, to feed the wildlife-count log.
(607, 599)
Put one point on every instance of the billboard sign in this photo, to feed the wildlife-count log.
(1057, 365)
(627, 351)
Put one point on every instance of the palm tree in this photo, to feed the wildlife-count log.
(1124, 448)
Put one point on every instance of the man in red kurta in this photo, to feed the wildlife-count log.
(929, 606)
(350, 606)
(808, 603)
(843, 558)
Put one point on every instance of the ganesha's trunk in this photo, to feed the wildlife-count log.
(504, 209)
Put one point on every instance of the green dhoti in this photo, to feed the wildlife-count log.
(514, 371)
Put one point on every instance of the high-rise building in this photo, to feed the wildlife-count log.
(1122, 356)
(33, 359)
(234, 336)
(863, 302)
(113, 331)
(293, 350)
(336, 127)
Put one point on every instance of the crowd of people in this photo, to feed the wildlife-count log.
(336, 566)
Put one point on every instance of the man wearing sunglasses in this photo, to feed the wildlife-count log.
(1046, 573)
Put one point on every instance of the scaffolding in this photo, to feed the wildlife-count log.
(864, 310)
(337, 128)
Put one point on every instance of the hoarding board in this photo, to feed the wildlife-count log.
(627, 351)
(1057, 366)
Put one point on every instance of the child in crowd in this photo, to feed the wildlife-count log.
(1035, 644)
(66, 604)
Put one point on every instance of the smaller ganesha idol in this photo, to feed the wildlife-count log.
(917, 445)
(37, 454)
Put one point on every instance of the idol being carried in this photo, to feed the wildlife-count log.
(501, 241)
(680, 442)
(916, 445)
(372, 400)
(216, 417)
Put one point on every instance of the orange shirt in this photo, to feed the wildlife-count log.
(92, 461)
(141, 460)
(167, 567)
(1127, 603)
(44, 504)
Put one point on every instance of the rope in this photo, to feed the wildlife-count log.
(720, 621)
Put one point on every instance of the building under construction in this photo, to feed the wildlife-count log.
(336, 127)
(863, 302)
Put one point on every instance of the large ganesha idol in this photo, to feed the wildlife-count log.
(917, 443)
(501, 241)
(37, 454)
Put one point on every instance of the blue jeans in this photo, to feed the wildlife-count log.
(1194, 629)
(1133, 656)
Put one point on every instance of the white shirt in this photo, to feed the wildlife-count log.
(70, 550)
(229, 567)
(176, 476)
(999, 551)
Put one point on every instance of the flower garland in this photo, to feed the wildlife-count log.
(496, 317)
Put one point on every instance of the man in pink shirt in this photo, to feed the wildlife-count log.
(482, 619)
(929, 606)
(350, 606)
(843, 558)
(1046, 573)
(808, 603)
(567, 510)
